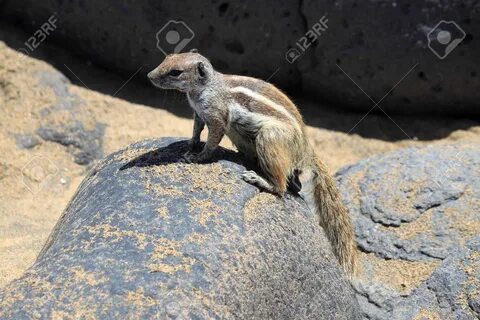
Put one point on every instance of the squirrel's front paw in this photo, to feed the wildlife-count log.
(190, 157)
(193, 144)
(203, 156)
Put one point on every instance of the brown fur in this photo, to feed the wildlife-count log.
(266, 127)
(274, 159)
(334, 219)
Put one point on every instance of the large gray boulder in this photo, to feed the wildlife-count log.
(452, 292)
(148, 236)
(417, 214)
(375, 42)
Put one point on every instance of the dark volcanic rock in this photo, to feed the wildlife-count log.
(452, 292)
(374, 42)
(146, 236)
(68, 124)
(419, 205)
(377, 43)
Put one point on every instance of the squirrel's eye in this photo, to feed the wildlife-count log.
(175, 73)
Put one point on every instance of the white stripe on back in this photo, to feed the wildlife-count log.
(257, 96)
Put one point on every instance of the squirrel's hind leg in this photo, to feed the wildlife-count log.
(274, 161)
(255, 179)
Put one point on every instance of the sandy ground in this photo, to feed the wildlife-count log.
(27, 217)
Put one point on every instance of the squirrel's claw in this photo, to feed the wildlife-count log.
(188, 157)
(203, 156)
(191, 157)
(193, 144)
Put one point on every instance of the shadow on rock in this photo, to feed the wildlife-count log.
(175, 153)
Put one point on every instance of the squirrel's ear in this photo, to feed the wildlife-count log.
(194, 50)
(201, 70)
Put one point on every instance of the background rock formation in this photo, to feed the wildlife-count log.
(374, 42)
(417, 215)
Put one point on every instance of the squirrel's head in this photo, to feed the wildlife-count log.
(184, 72)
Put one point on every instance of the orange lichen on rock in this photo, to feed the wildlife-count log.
(466, 222)
(162, 212)
(113, 234)
(131, 154)
(401, 275)
(138, 298)
(90, 278)
(205, 210)
(425, 314)
(254, 205)
(406, 231)
(164, 248)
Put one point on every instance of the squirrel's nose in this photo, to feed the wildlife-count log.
(150, 75)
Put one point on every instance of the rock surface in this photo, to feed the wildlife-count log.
(452, 292)
(417, 214)
(383, 45)
(150, 237)
(376, 52)
(67, 123)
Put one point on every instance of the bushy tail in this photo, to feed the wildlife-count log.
(334, 219)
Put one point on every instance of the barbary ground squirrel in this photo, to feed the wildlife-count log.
(266, 127)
